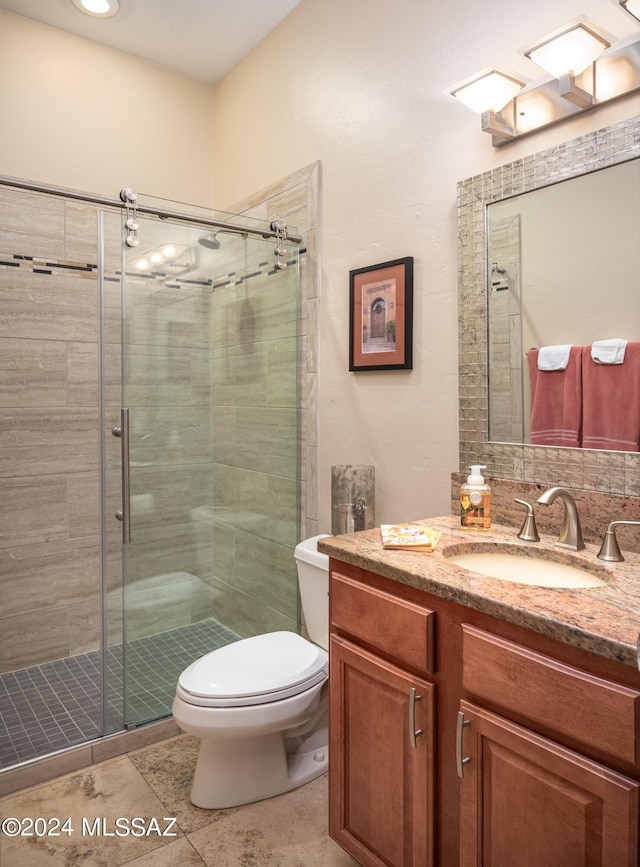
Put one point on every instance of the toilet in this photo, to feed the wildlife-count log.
(259, 705)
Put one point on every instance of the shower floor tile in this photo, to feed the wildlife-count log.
(49, 707)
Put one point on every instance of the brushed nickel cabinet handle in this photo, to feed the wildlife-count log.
(413, 734)
(461, 762)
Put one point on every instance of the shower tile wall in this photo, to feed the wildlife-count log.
(210, 380)
(49, 424)
(50, 442)
(241, 569)
(188, 560)
(297, 200)
(255, 517)
(167, 388)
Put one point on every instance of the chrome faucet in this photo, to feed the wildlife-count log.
(570, 532)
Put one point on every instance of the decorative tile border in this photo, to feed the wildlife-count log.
(610, 472)
(34, 265)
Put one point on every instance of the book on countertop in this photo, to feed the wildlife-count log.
(409, 537)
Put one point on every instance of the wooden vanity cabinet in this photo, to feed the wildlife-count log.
(382, 732)
(528, 802)
(381, 783)
(530, 751)
(526, 799)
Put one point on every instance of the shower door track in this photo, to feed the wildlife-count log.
(272, 232)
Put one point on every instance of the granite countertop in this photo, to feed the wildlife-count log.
(604, 620)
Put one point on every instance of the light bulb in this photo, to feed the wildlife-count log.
(99, 8)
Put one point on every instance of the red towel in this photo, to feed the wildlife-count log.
(556, 401)
(611, 402)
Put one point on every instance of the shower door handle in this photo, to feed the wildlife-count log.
(124, 514)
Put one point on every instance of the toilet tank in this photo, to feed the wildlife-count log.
(313, 580)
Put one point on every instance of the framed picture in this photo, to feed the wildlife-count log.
(381, 316)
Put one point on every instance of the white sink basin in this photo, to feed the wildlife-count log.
(522, 569)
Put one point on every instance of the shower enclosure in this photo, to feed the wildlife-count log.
(149, 444)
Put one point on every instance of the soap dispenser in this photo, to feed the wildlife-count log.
(475, 501)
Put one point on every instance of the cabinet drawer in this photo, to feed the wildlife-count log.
(399, 629)
(594, 711)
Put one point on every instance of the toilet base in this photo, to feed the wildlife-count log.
(234, 772)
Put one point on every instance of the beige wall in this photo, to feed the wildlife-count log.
(360, 86)
(76, 114)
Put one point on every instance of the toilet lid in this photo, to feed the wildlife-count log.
(255, 670)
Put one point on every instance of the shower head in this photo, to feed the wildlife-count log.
(209, 241)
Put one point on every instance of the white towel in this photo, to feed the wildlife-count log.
(554, 357)
(609, 351)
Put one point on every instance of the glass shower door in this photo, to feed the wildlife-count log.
(209, 348)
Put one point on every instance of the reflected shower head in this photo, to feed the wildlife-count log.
(209, 241)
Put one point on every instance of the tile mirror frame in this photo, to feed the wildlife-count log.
(586, 469)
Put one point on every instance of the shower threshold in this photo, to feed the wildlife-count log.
(50, 707)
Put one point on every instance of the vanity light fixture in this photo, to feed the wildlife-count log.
(98, 8)
(487, 93)
(632, 7)
(491, 89)
(573, 47)
(588, 71)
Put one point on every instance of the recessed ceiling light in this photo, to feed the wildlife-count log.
(99, 8)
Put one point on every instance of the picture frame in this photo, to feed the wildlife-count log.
(381, 316)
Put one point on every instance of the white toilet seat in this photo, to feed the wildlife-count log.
(253, 671)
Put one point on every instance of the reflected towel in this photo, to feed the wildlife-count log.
(609, 351)
(611, 402)
(556, 401)
(554, 357)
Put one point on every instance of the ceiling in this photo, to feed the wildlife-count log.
(199, 38)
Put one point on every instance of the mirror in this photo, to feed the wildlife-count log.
(564, 268)
(615, 472)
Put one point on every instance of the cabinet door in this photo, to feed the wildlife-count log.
(528, 802)
(380, 774)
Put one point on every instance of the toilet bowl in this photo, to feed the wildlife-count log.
(259, 705)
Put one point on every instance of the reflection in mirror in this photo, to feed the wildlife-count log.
(586, 468)
(564, 268)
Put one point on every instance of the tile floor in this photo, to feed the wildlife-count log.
(154, 783)
(58, 704)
